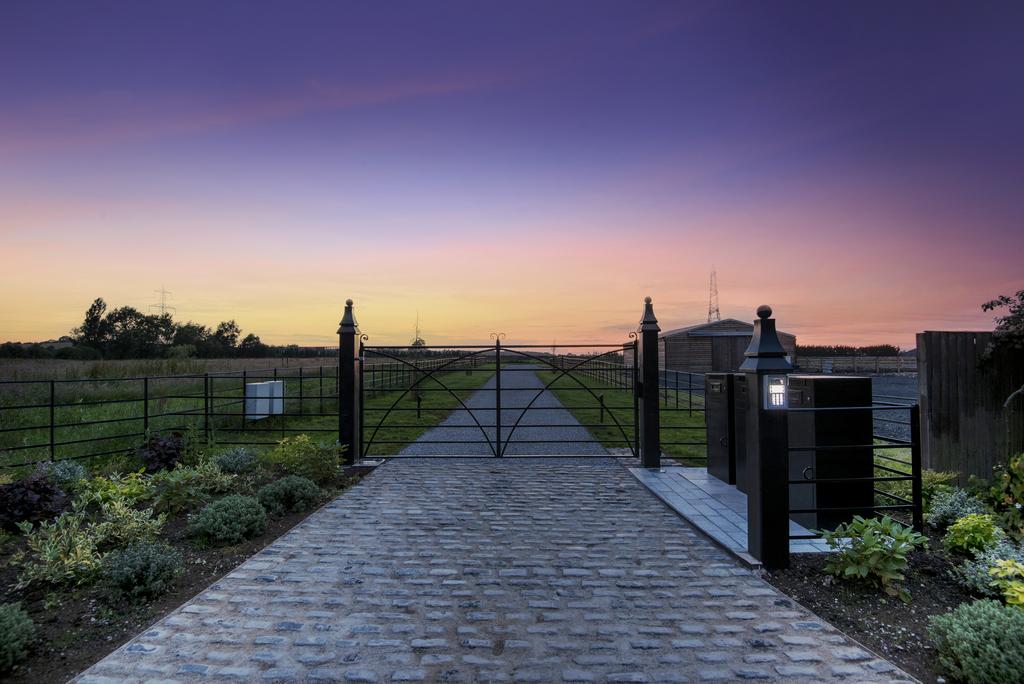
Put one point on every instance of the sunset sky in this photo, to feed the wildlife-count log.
(534, 168)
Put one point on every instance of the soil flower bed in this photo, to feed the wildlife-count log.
(77, 624)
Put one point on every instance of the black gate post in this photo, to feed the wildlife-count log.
(767, 444)
(348, 391)
(650, 416)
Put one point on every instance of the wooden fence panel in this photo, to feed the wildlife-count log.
(963, 423)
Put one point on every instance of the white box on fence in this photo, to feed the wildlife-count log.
(263, 399)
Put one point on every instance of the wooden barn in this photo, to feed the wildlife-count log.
(712, 347)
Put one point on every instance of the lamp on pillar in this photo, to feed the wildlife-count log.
(650, 416)
(348, 390)
(767, 444)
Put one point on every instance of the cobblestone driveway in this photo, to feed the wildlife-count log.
(492, 570)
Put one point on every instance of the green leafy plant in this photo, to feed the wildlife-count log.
(161, 452)
(65, 474)
(1007, 496)
(292, 493)
(17, 631)
(131, 487)
(948, 507)
(1009, 579)
(141, 570)
(121, 524)
(301, 456)
(972, 533)
(873, 549)
(238, 460)
(58, 552)
(980, 642)
(228, 521)
(932, 483)
(32, 498)
(973, 573)
(188, 487)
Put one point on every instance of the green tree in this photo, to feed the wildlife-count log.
(1009, 332)
(94, 330)
(252, 347)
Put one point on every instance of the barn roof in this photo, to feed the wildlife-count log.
(715, 329)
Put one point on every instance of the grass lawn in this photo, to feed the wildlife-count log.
(685, 424)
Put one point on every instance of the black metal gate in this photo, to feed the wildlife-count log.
(498, 400)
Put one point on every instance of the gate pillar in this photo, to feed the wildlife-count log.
(348, 385)
(647, 392)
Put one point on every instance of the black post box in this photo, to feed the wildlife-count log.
(720, 419)
(741, 403)
(842, 428)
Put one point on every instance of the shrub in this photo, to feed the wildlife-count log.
(1009, 579)
(301, 456)
(131, 487)
(65, 474)
(972, 533)
(292, 493)
(32, 498)
(980, 642)
(933, 482)
(188, 487)
(121, 524)
(161, 452)
(873, 549)
(58, 552)
(16, 634)
(1007, 496)
(948, 507)
(973, 573)
(141, 570)
(238, 460)
(229, 521)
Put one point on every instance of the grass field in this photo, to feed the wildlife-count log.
(680, 421)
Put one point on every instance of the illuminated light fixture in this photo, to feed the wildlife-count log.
(775, 388)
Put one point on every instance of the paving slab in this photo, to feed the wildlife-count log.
(466, 570)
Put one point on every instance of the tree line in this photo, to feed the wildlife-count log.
(127, 333)
(814, 350)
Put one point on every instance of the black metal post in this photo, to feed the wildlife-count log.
(321, 390)
(636, 399)
(497, 396)
(206, 407)
(145, 406)
(53, 429)
(300, 390)
(767, 445)
(348, 392)
(650, 414)
(768, 483)
(915, 467)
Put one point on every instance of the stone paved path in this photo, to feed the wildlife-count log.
(547, 427)
(467, 570)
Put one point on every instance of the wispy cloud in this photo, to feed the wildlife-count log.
(115, 118)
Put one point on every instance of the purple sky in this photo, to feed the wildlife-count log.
(876, 146)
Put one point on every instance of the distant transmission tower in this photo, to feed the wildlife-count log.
(713, 313)
(418, 340)
(163, 307)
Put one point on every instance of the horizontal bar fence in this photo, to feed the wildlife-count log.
(900, 466)
(75, 419)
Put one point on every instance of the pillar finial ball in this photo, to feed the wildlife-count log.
(647, 300)
(764, 311)
(348, 302)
